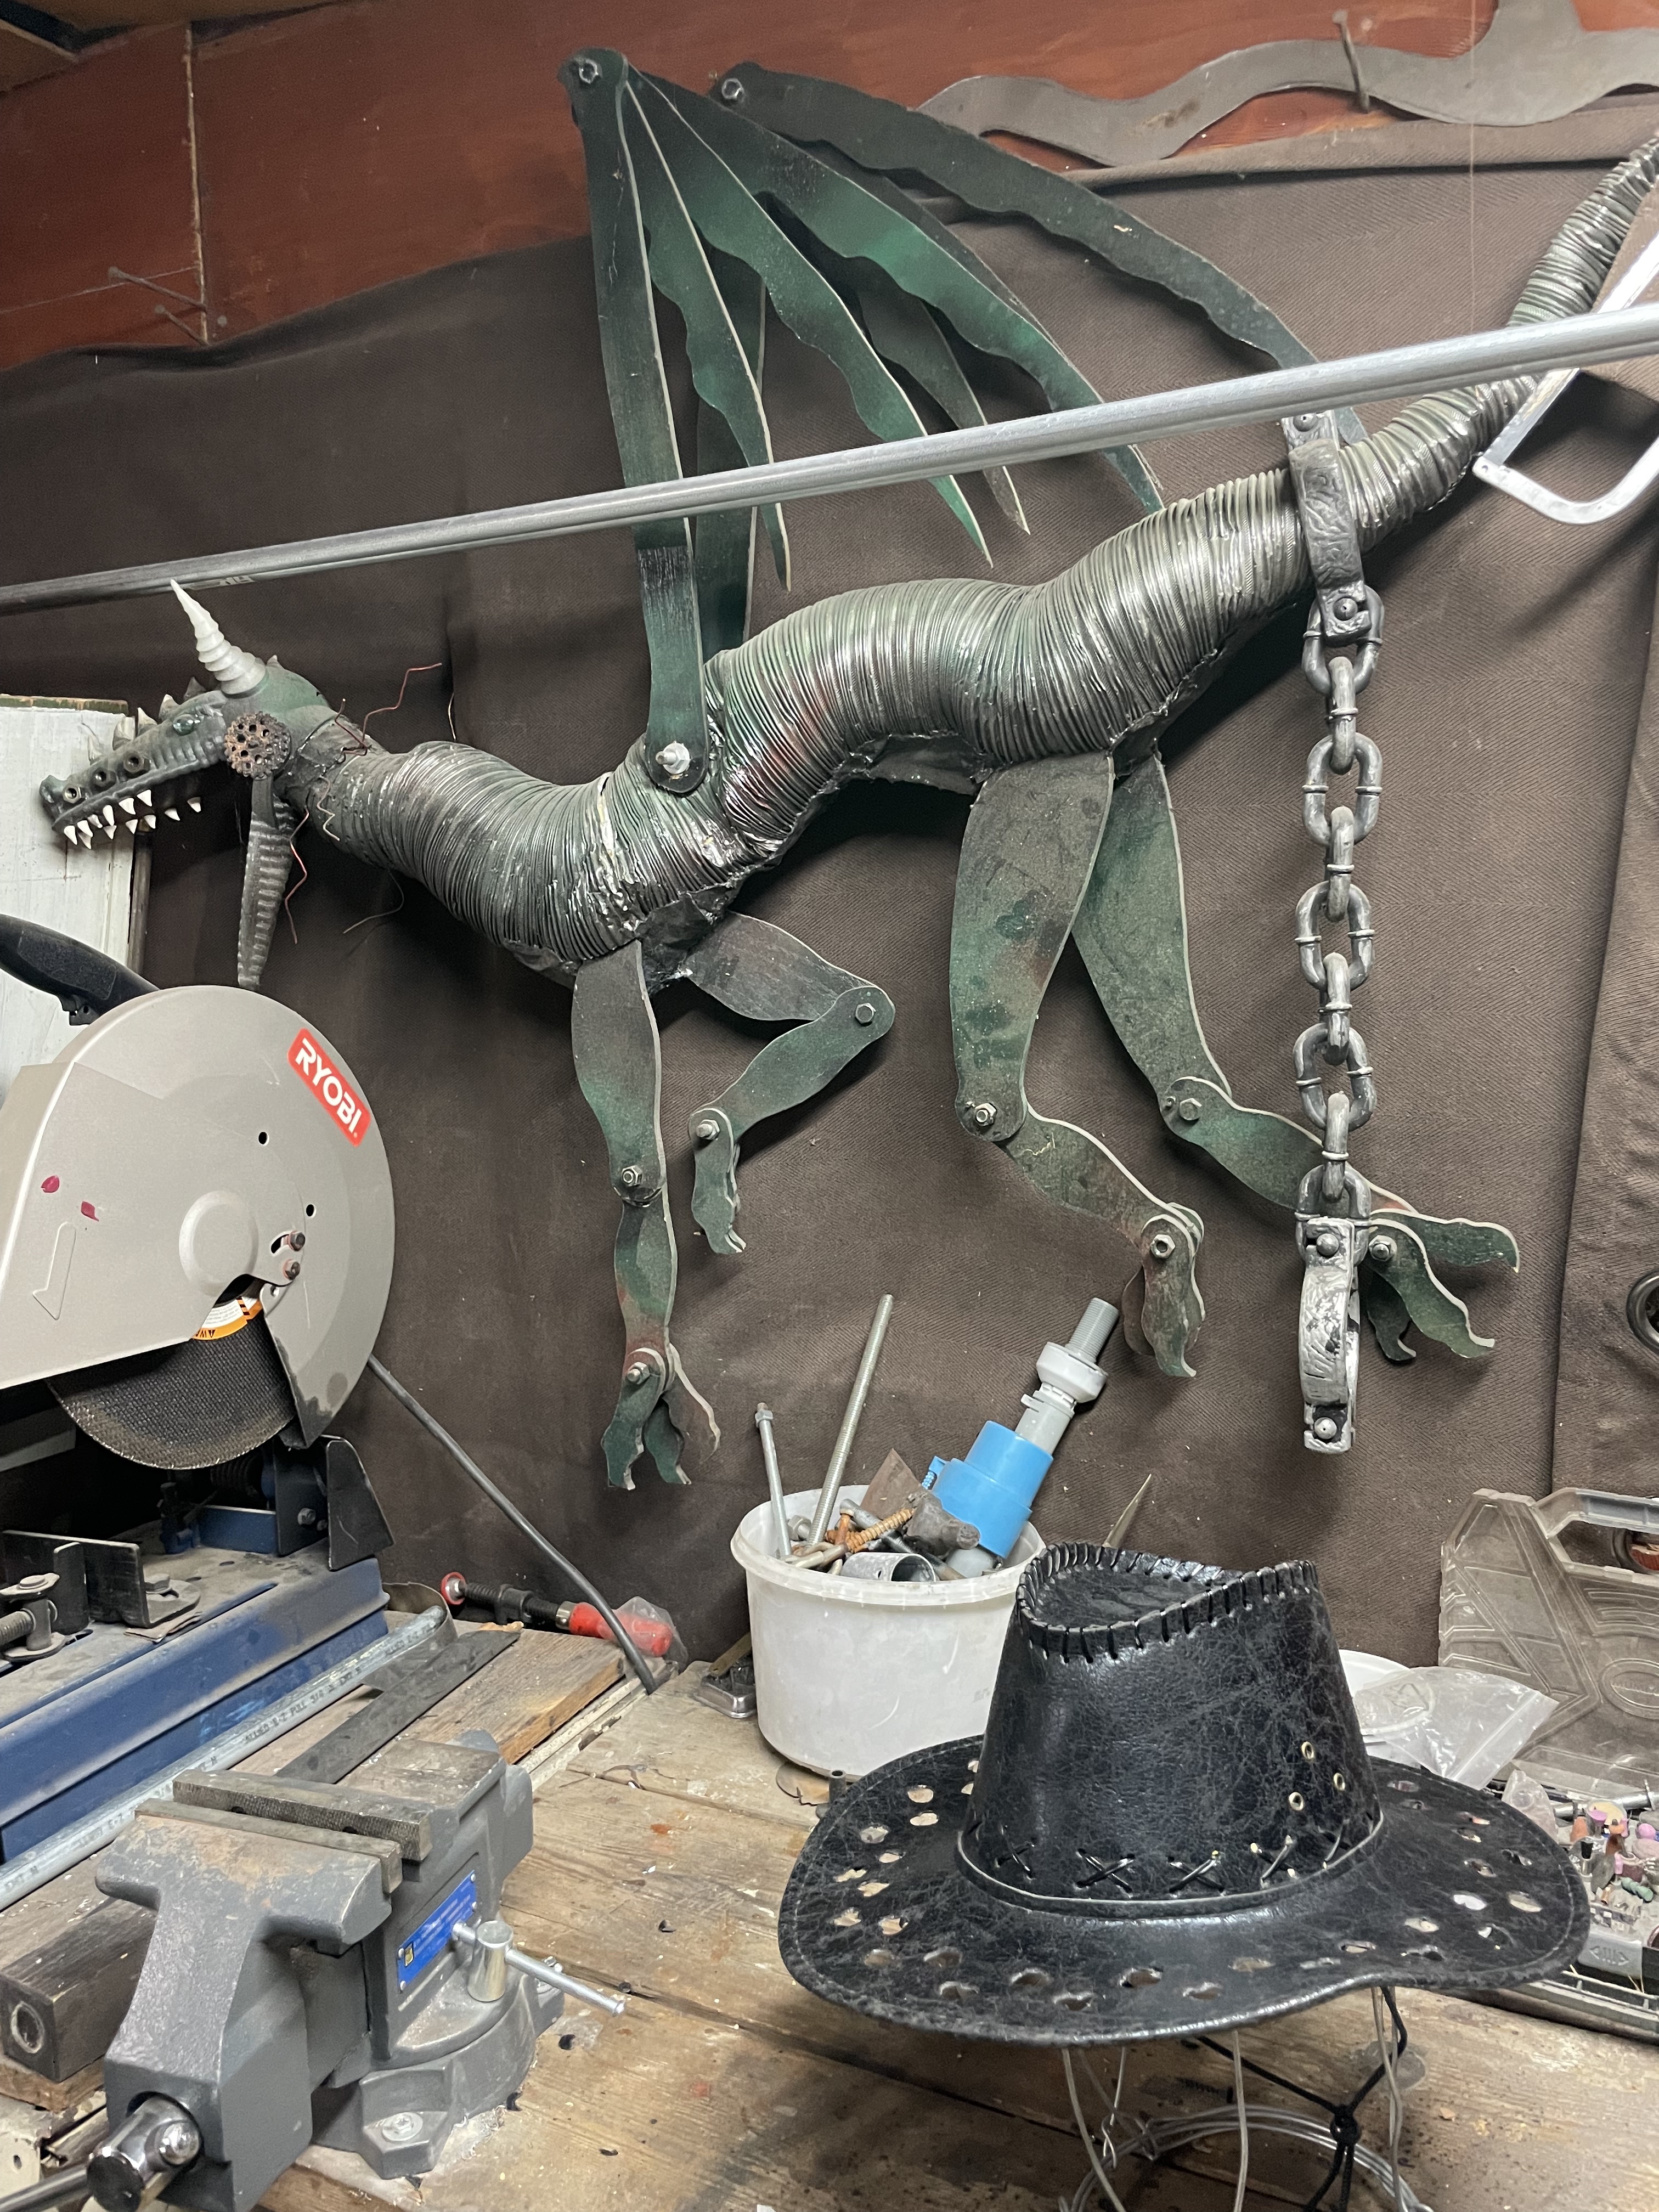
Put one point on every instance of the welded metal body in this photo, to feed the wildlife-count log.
(1046, 704)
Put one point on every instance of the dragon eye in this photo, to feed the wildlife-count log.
(186, 723)
(133, 764)
(69, 794)
(99, 778)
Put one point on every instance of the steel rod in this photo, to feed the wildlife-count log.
(463, 1934)
(70, 1845)
(774, 1479)
(499, 1498)
(1397, 373)
(849, 1422)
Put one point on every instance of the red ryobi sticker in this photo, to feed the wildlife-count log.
(309, 1061)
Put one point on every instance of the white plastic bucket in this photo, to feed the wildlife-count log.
(849, 1675)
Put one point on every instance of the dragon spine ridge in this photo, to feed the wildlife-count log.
(970, 676)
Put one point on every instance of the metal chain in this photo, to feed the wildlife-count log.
(1339, 659)
(1333, 1039)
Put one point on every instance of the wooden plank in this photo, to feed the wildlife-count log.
(679, 1900)
(25, 59)
(95, 172)
(663, 2110)
(420, 131)
(526, 1693)
(87, 895)
(674, 1746)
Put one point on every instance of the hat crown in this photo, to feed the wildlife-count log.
(1166, 1737)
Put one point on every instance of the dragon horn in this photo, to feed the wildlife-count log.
(235, 671)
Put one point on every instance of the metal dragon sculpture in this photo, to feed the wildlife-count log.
(1046, 704)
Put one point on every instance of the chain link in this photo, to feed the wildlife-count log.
(1340, 672)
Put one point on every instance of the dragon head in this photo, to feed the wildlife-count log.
(251, 719)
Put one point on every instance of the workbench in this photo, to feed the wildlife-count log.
(665, 1834)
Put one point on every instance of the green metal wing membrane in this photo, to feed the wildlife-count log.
(879, 135)
(783, 190)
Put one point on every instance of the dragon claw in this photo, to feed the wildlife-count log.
(1171, 1307)
(714, 1199)
(656, 1409)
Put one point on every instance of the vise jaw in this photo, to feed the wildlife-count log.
(303, 1983)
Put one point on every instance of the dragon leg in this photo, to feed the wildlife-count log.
(762, 972)
(1027, 858)
(618, 1057)
(1131, 928)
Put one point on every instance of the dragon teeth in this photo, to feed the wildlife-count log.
(145, 799)
(194, 805)
(150, 822)
(69, 832)
(171, 813)
(109, 814)
(127, 807)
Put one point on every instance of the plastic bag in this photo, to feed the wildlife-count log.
(1464, 1726)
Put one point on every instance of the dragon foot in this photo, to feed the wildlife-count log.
(658, 1408)
(715, 1200)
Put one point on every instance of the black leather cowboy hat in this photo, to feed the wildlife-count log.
(1171, 1824)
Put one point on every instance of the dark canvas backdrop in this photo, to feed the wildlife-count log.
(1506, 708)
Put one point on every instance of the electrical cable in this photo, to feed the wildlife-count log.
(1106, 2188)
(1243, 2128)
(1385, 2052)
(503, 1504)
(1159, 2137)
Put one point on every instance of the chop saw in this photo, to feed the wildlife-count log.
(196, 1239)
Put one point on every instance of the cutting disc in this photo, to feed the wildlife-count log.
(193, 1405)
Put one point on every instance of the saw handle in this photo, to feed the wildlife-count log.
(85, 982)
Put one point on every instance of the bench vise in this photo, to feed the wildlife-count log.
(327, 1965)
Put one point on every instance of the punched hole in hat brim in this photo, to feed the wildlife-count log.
(924, 1820)
(945, 1955)
(1139, 1977)
(1523, 1903)
(878, 1957)
(1422, 1951)
(1311, 1965)
(1354, 1948)
(889, 1858)
(852, 1874)
(1518, 1859)
(892, 1925)
(1406, 1788)
(1029, 1977)
(847, 1919)
(1075, 2000)
(1467, 1900)
(960, 1991)
(920, 1794)
(873, 1835)
(1421, 1925)
(1479, 1866)
(1251, 1966)
(1201, 1992)
(1498, 1938)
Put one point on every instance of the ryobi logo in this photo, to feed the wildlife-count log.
(308, 1060)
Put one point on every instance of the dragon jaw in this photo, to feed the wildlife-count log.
(149, 773)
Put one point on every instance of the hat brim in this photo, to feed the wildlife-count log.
(1457, 1892)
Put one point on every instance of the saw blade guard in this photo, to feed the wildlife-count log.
(190, 1152)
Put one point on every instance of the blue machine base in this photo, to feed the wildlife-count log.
(119, 1704)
